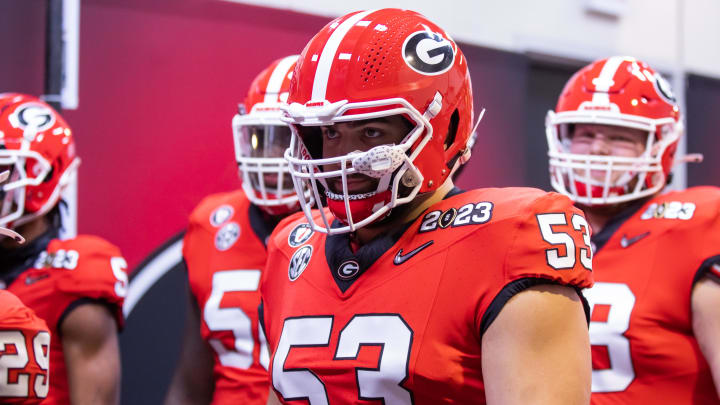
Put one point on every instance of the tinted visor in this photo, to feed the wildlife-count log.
(264, 141)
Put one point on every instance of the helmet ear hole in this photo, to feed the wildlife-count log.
(452, 129)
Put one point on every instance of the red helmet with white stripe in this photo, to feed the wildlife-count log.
(622, 92)
(260, 139)
(37, 147)
(372, 64)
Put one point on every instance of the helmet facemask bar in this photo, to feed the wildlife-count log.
(260, 141)
(14, 191)
(635, 177)
(4, 175)
(388, 164)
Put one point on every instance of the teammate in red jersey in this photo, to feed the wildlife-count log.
(656, 301)
(75, 285)
(24, 345)
(225, 357)
(402, 288)
(24, 353)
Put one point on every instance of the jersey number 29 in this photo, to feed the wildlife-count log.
(19, 360)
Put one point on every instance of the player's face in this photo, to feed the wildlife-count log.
(359, 136)
(607, 140)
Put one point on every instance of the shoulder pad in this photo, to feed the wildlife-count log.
(214, 210)
(15, 315)
(90, 267)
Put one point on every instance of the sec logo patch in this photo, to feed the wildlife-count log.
(299, 262)
(299, 235)
(227, 236)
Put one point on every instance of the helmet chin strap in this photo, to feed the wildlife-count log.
(689, 158)
(12, 234)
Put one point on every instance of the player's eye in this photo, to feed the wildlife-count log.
(329, 133)
(370, 132)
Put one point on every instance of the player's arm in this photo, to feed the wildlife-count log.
(193, 380)
(537, 350)
(705, 303)
(89, 336)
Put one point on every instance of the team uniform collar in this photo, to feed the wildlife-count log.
(346, 266)
(601, 238)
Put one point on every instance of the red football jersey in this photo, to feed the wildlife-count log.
(644, 351)
(401, 319)
(24, 353)
(225, 255)
(65, 274)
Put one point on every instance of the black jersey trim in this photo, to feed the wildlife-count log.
(704, 270)
(261, 223)
(113, 309)
(261, 316)
(515, 287)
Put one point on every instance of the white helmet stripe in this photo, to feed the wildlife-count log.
(327, 57)
(604, 81)
(277, 78)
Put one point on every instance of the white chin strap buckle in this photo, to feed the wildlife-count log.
(379, 161)
(12, 234)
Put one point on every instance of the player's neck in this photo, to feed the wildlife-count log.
(598, 216)
(29, 230)
(596, 219)
(411, 212)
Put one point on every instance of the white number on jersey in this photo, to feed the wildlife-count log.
(19, 360)
(388, 331)
(549, 235)
(234, 319)
(610, 334)
(119, 269)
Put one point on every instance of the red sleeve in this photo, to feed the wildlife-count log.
(549, 242)
(99, 273)
(705, 237)
(552, 242)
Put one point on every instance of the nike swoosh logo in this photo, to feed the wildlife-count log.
(626, 242)
(400, 258)
(32, 280)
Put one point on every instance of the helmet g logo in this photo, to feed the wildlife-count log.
(428, 53)
(32, 116)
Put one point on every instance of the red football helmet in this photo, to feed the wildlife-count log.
(617, 91)
(261, 138)
(37, 147)
(371, 64)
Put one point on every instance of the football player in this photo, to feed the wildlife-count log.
(75, 285)
(24, 345)
(656, 302)
(224, 358)
(402, 289)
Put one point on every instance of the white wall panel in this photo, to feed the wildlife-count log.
(669, 34)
